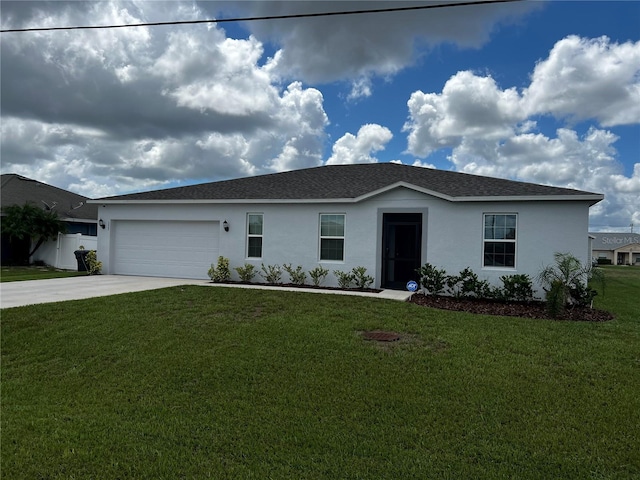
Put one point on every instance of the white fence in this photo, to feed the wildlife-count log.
(59, 253)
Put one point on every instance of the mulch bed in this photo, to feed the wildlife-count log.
(525, 310)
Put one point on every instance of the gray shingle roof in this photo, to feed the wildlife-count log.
(352, 182)
(18, 190)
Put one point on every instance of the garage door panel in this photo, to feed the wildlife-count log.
(165, 248)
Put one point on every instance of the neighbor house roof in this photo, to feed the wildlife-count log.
(352, 183)
(18, 190)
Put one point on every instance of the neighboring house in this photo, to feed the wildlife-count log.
(616, 248)
(79, 217)
(387, 217)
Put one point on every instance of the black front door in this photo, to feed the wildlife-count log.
(401, 252)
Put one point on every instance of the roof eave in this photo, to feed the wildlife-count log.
(592, 198)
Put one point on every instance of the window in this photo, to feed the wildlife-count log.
(332, 237)
(499, 240)
(254, 235)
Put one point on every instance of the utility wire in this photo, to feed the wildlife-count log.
(271, 17)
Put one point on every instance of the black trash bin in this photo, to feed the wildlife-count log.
(81, 257)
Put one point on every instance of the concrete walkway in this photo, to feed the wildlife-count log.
(30, 292)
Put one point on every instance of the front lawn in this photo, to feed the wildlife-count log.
(210, 382)
(14, 274)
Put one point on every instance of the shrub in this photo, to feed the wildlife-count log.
(470, 285)
(566, 282)
(360, 277)
(297, 276)
(344, 278)
(555, 299)
(247, 272)
(467, 284)
(516, 288)
(318, 275)
(453, 285)
(271, 273)
(221, 272)
(93, 265)
(582, 295)
(432, 279)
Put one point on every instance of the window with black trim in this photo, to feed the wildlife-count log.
(255, 224)
(332, 236)
(499, 244)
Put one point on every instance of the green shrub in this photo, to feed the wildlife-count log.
(517, 288)
(271, 273)
(566, 282)
(247, 272)
(360, 277)
(318, 275)
(344, 278)
(555, 299)
(582, 295)
(297, 276)
(432, 279)
(453, 285)
(221, 272)
(93, 265)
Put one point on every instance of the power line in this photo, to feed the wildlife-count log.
(271, 17)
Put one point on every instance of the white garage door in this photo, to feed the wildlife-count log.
(164, 249)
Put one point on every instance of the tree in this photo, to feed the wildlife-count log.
(28, 222)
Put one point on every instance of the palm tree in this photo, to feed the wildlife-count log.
(566, 282)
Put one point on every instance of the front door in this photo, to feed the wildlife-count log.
(401, 252)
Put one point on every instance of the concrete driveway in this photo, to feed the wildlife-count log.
(17, 294)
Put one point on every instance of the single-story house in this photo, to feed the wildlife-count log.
(389, 218)
(79, 217)
(616, 248)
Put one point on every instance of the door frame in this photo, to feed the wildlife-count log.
(380, 254)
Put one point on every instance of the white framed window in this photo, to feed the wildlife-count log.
(499, 240)
(332, 236)
(255, 226)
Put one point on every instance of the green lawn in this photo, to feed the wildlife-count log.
(207, 382)
(14, 274)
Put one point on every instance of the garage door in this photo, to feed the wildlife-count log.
(164, 249)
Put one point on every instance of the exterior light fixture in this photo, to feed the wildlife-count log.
(225, 225)
(101, 223)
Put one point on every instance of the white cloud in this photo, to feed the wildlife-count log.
(140, 108)
(588, 79)
(469, 106)
(209, 72)
(370, 138)
(360, 88)
(493, 131)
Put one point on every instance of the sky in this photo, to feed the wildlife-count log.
(542, 92)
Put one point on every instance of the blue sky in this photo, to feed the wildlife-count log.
(544, 92)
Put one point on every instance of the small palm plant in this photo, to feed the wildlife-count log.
(566, 283)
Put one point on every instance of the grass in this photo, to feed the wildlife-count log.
(207, 382)
(15, 274)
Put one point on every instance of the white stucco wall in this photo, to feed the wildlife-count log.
(452, 231)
